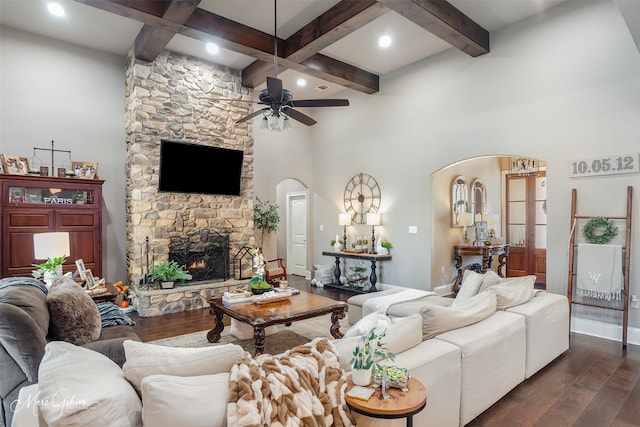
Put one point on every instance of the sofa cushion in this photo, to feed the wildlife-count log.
(513, 291)
(489, 278)
(209, 361)
(402, 334)
(74, 315)
(471, 282)
(199, 401)
(81, 387)
(437, 319)
(368, 322)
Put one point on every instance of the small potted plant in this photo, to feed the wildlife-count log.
(48, 270)
(167, 273)
(384, 247)
(370, 348)
(257, 283)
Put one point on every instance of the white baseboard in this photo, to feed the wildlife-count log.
(604, 330)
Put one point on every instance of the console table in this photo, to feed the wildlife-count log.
(487, 252)
(373, 278)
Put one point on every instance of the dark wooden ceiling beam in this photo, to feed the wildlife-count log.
(152, 39)
(337, 22)
(444, 21)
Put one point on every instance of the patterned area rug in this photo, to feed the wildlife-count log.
(286, 338)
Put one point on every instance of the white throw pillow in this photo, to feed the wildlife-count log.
(513, 291)
(133, 349)
(437, 319)
(213, 360)
(82, 387)
(185, 401)
(471, 282)
(368, 322)
(402, 334)
(489, 278)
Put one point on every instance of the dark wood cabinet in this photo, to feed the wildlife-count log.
(34, 204)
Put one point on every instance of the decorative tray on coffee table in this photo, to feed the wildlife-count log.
(269, 297)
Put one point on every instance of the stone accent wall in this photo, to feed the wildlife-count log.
(172, 98)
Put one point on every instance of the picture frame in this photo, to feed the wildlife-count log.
(14, 165)
(91, 282)
(86, 170)
(81, 269)
(482, 232)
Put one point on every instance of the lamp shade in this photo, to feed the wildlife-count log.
(344, 219)
(465, 219)
(373, 218)
(50, 245)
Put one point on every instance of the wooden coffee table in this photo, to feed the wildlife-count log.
(299, 307)
(401, 404)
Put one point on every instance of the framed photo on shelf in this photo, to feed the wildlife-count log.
(81, 269)
(91, 282)
(14, 165)
(87, 170)
(482, 233)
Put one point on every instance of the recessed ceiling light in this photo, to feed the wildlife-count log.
(55, 9)
(213, 48)
(384, 41)
(301, 82)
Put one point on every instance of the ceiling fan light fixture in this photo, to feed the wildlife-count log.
(274, 122)
(264, 123)
(286, 123)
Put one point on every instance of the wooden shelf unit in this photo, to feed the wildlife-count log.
(626, 258)
(35, 204)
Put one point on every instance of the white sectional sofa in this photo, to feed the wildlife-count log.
(468, 369)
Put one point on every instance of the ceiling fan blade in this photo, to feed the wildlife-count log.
(274, 88)
(237, 100)
(319, 103)
(252, 115)
(297, 115)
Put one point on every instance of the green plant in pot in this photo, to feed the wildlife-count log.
(265, 217)
(369, 350)
(49, 269)
(169, 272)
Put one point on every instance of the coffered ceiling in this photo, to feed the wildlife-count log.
(331, 43)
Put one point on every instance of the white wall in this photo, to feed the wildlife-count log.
(74, 96)
(559, 86)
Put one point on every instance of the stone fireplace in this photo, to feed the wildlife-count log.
(171, 98)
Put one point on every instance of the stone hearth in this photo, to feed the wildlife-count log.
(157, 302)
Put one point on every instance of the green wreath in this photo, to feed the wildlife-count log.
(599, 230)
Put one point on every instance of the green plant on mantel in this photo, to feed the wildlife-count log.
(169, 271)
(265, 217)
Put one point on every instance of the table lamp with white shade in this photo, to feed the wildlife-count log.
(344, 219)
(465, 219)
(50, 246)
(373, 219)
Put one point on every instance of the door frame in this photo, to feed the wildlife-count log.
(289, 235)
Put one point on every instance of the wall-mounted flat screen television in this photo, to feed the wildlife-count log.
(192, 168)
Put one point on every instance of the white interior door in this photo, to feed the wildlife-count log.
(297, 233)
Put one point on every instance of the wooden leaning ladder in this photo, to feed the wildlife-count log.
(626, 262)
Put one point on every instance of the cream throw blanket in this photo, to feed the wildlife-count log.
(381, 304)
(599, 272)
(302, 387)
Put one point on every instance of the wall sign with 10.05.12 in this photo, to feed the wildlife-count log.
(609, 165)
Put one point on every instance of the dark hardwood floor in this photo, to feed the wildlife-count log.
(594, 384)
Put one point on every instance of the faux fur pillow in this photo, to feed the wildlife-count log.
(74, 315)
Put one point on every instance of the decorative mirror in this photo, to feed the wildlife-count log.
(459, 200)
(478, 198)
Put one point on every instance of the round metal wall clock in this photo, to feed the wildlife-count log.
(361, 195)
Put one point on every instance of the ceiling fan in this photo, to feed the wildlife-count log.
(279, 101)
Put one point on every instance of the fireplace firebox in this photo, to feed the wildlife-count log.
(207, 259)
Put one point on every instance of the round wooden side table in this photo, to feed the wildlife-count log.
(400, 405)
